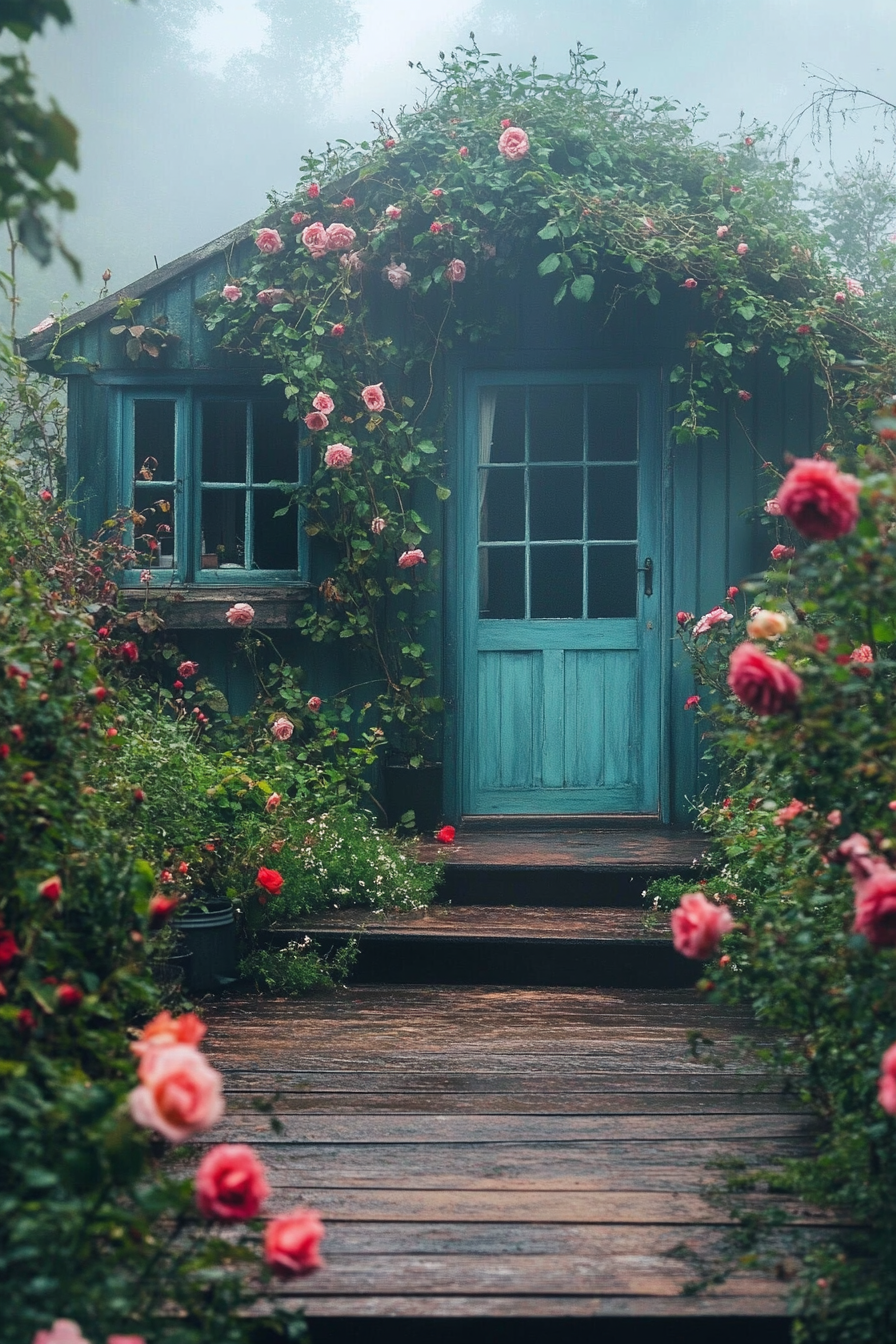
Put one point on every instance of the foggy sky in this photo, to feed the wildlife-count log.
(191, 110)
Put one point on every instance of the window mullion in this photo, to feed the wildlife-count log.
(249, 529)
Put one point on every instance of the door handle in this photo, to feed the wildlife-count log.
(647, 570)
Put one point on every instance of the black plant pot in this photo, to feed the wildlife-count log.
(417, 790)
(174, 971)
(208, 931)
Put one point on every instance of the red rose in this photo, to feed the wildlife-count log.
(436, 227)
(780, 552)
(69, 996)
(9, 948)
(51, 888)
(128, 652)
(804, 329)
(692, 702)
(819, 500)
(684, 616)
(698, 924)
(764, 684)
(446, 835)
(270, 879)
(161, 908)
(103, 632)
(875, 904)
(26, 1021)
(505, 123)
(139, 796)
(292, 1243)
(4, 750)
(437, 192)
(98, 693)
(230, 1183)
(348, 203)
(690, 283)
(177, 685)
(337, 329)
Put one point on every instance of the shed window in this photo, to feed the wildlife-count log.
(205, 482)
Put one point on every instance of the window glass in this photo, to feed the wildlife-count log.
(555, 581)
(153, 520)
(223, 529)
(502, 583)
(508, 442)
(613, 503)
(224, 440)
(275, 443)
(276, 540)
(612, 422)
(612, 581)
(556, 424)
(502, 513)
(556, 503)
(154, 423)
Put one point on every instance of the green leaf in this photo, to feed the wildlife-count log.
(783, 361)
(582, 288)
(747, 312)
(723, 348)
(549, 263)
(549, 231)
(442, 492)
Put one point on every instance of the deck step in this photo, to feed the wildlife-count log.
(511, 945)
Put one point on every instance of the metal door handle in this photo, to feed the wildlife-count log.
(647, 570)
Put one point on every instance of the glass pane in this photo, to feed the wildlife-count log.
(502, 583)
(556, 424)
(223, 529)
(555, 503)
(154, 526)
(613, 423)
(556, 581)
(502, 513)
(509, 428)
(612, 581)
(276, 539)
(613, 503)
(154, 440)
(224, 441)
(276, 443)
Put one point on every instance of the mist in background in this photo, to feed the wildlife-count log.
(190, 111)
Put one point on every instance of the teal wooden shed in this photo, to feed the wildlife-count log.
(575, 530)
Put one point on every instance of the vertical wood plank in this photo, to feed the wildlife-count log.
(557, 665)
(622, 720)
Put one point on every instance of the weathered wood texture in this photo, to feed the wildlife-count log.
(473, 923)
(494, 1152)
(653, 849)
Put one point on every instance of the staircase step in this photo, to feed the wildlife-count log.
(474, 945)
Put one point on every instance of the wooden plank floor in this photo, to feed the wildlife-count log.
(645, 848)
(495, 923)
(504, 1152)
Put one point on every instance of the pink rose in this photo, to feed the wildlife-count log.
(377, 525)
(722, 231)
(692, 702)
(146, 576)
(268, 241)
(436, 227)
(231, 1183)
(690, 283)
(315, 703)
(698, 925)
(180, 1093)
(352, 261)
(373, 398)
(886, 1089)
(241, 613)
(393, 212)
(125, 1339)
(398, 276)
(62, 1331)
(840, 297)
(164, 1031)
(456, 270)
(684, 616)
(337, 329)
(338, 456)
(299, 218)
(875, 905)
(780, 552)
(863, 654)
(855, 289)
(787, 813)
(765, 685)
(819, 500)
(268, 297)
(313, 190)
(339, 237)
(315, 239)
(283, 729)
(231, 293)
(316, 420)
(717, 616)
(187, 668)
(745, 395)
(742, 249)
(292, 1243)
(273, 802)
(323, 402)
(855, 851)
(773, 508)
(411, 558)
(513, 144)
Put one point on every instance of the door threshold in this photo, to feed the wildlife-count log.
(524, 821)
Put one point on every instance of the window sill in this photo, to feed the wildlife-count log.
(203, 607)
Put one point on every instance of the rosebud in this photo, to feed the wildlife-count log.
(107, 276)
(51, 889)
(69, 996)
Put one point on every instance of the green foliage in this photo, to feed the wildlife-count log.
(296, 968)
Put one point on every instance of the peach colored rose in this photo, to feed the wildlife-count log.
(373, 398)
(268, 241)
(698, 925)
(231, 1183)
(411, 558)
(292, 1243)
(398, 276)
(455, 271)
(767, 624)
(886, 1095)
(513, 144)
(338, 456)
(283, 729)
(179, 1095)
(241, 613)
(820, 500)
(324, 402)
(164, 1031)
(231, 293)
(315, 239)
(765, 685)
(273, 802)
(787, 813)
(339, 237)
(316, 420)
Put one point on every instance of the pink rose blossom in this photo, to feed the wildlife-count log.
(231, 1183)
(840, 297)
(780, 552)
(348, 203)
(765, 685)
(787, 813)
(163, 1031)
(283, 729)
(886, 1095)
(146, 576)
(292, 1243)
(698, 925)
(313, 190)
(373, 398)
(268, 297)
(773, 508)
(398, 276)
(187, 668)
(456, 270)
(393, 212)
(463, 152)
(339, 237)
(231, 293)
(819, 500)
(299, 218)
(722, 231)
(863, 654)
(179, 1093)
(268, 241)
(717, 616)
(337, 329)
(513, 144)
(732, 593)
(316, 420)
(436, 227)
(411, 558)
(352, 261)
(241, 613)
(692, 702)
(875, 905)
(684, 616)
(377, 525)
(338, 456)
(62, 1331)
(125, 1339)
(855, 851)
(324, 402)
(690, 283)
(854, 288)
(745, 395)
(273, 802)
(505, 123)
(742, 249)
(315, 239)
(314, 704)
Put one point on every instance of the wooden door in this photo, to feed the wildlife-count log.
(560, 578)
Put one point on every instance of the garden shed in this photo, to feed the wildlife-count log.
(579, 521)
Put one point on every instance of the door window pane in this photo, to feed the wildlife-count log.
(224, 528)
(556, 424)
(154, 526)
(613, 503)
(612, 422)
(555, 503)
(508, 442)
(154, 439)
(556, 581)
(502, 583)
(275, 444)
(224, 441)
(612, 581)
(502, 515)
(276, 539)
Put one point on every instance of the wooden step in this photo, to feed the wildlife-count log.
(537, 945)
(651, 849)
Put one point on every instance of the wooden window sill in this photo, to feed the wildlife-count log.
(203, 607)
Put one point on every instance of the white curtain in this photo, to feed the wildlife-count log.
(488, 397)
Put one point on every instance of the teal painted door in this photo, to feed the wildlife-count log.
(561, 571)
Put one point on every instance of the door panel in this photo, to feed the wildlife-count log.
(561, 485)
